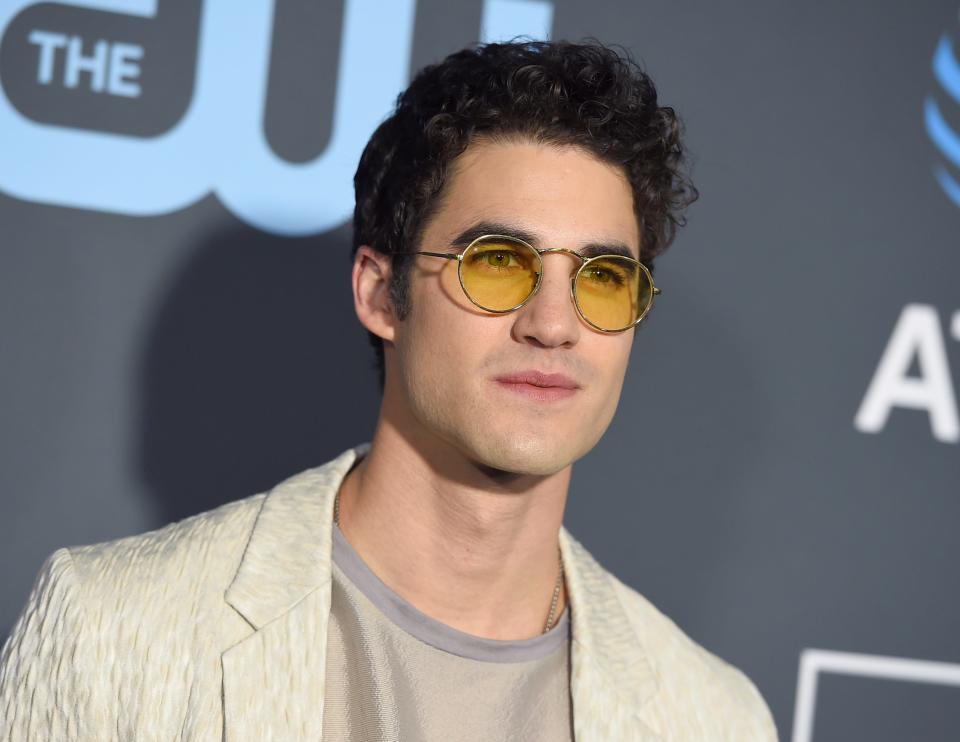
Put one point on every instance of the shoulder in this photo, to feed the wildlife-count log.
(691, 676)
(109, 623)
(198, 552)
(150, 584)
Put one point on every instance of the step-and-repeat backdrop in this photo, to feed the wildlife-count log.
(783, 475)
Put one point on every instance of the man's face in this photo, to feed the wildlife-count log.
(454, 368)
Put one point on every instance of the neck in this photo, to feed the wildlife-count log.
(473, 548)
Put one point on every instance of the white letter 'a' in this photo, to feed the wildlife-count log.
(917, 331)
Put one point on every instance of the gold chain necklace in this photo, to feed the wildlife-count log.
(551, 621)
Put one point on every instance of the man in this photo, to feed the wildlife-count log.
(423, 587)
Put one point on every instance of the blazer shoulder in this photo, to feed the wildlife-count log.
(688, 672)
(197, 552)
(107, 625)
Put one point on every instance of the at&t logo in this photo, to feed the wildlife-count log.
(919, 335)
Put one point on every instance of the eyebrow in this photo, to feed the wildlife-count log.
(588, 250)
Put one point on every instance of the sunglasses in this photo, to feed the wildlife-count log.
(500, 274)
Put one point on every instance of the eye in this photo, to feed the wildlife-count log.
(499, 258)
(603, 275)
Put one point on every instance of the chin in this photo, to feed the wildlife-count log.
(540, 456)
(502, 442)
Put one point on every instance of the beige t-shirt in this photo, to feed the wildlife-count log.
(394, 673)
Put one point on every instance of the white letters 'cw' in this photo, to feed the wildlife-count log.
(219, 144)
(917, 334)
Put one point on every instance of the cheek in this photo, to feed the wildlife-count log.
(616, 357)
(446, 330)
(434, 350)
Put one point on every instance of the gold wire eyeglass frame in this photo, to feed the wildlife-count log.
(540, 253)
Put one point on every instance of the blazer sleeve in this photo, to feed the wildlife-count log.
(43, 675)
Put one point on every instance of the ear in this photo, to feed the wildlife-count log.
(371, 292)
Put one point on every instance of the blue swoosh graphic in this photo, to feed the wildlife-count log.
(949, 184)
(946, 68)
(946, 139)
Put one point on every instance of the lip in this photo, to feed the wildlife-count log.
(538, 385)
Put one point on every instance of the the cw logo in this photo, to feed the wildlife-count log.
(218, 144)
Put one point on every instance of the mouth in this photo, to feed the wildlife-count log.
(539, 386)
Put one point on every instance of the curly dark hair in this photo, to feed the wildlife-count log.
(581, 94)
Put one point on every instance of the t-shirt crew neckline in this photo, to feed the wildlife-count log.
(436, 633)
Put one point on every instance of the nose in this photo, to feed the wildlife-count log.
(549, 319)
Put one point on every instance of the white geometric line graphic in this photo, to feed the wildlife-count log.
(815, 661)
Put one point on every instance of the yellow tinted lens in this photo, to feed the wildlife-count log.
(612, 292)
(498, 273)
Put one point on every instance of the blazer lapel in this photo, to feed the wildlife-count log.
(273, 681)
(611, 678)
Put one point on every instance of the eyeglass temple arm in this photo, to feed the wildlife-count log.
(447, 255)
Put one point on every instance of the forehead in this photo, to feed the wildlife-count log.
(562, 195)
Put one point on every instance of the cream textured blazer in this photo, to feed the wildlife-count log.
(215, 628)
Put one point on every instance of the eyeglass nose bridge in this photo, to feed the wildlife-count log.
(573, 278)
(567, 250)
